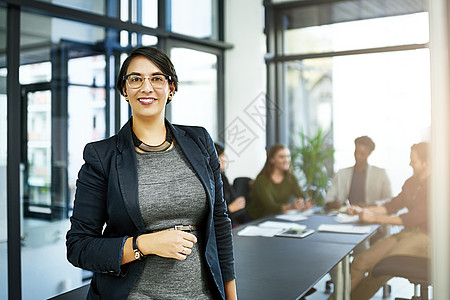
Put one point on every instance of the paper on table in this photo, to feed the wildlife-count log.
(258, 231)
(268, 228)
(289, 217)
(344, 218)
(308, 212)
(344, 228)
(281, 225)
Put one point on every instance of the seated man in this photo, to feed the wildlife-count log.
(361, 184)
(412, 240)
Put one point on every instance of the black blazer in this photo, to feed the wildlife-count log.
(107, 193)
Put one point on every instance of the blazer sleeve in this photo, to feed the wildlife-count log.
(87, 248)
(222, 223)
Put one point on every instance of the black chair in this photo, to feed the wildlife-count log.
(242, 187)
(415, 269)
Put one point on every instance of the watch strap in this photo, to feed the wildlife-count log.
(137, 253)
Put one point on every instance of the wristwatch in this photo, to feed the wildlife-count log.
(137, 253)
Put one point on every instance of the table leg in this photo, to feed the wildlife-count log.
(342, 281)
(339, 282)
(346, 271)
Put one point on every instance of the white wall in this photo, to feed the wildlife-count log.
(245, 87)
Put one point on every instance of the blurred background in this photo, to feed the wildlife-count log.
(251, 72)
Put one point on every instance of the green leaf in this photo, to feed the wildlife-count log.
(312, 160)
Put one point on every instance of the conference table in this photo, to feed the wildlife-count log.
(286, 267)
(282, 267)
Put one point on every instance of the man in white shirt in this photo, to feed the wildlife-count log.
(361, 184)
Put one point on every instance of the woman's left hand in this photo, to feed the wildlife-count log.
(308, 204)
(299, 204)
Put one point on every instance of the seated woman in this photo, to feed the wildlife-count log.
(275, 189)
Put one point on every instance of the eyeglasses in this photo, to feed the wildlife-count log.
(157, 81)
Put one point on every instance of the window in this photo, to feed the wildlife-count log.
(361, 34)
(354, 68)
(383, 95)
(3, 165)
(94, 6)
(198, 18)
(67, 74)
(197, 90)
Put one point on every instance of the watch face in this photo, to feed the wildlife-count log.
(137, 255)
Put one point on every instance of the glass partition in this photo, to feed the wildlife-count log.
(39, 152)
(195, 103)
(339, 94)
(362, 34)
(62, 76)
(86, 110)
(198, 18)
(67, 77)
(93, 6)
(149, 13)
(3, 220)
(3, 143)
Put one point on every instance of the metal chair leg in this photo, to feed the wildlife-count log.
(386, 291)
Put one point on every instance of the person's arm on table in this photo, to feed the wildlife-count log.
(368, 216)
(356, 210)
(297, 204)
(374, 214)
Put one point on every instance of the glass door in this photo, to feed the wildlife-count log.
(37, 188)
(37, 155)
(64, 106)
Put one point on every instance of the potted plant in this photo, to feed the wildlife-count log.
(312, 160)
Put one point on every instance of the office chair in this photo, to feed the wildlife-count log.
(242, 187)
(415, 269)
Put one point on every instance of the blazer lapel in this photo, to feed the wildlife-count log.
(127, 173)
(198, 161)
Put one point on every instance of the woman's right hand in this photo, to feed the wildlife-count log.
(299, 204)
(167, 243)
(354, 210)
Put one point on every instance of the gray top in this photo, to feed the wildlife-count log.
(171, 194)
(358, 187)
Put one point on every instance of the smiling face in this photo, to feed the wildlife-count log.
(362, 153)
(281, 161)
(419, 167)
(146, 101)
